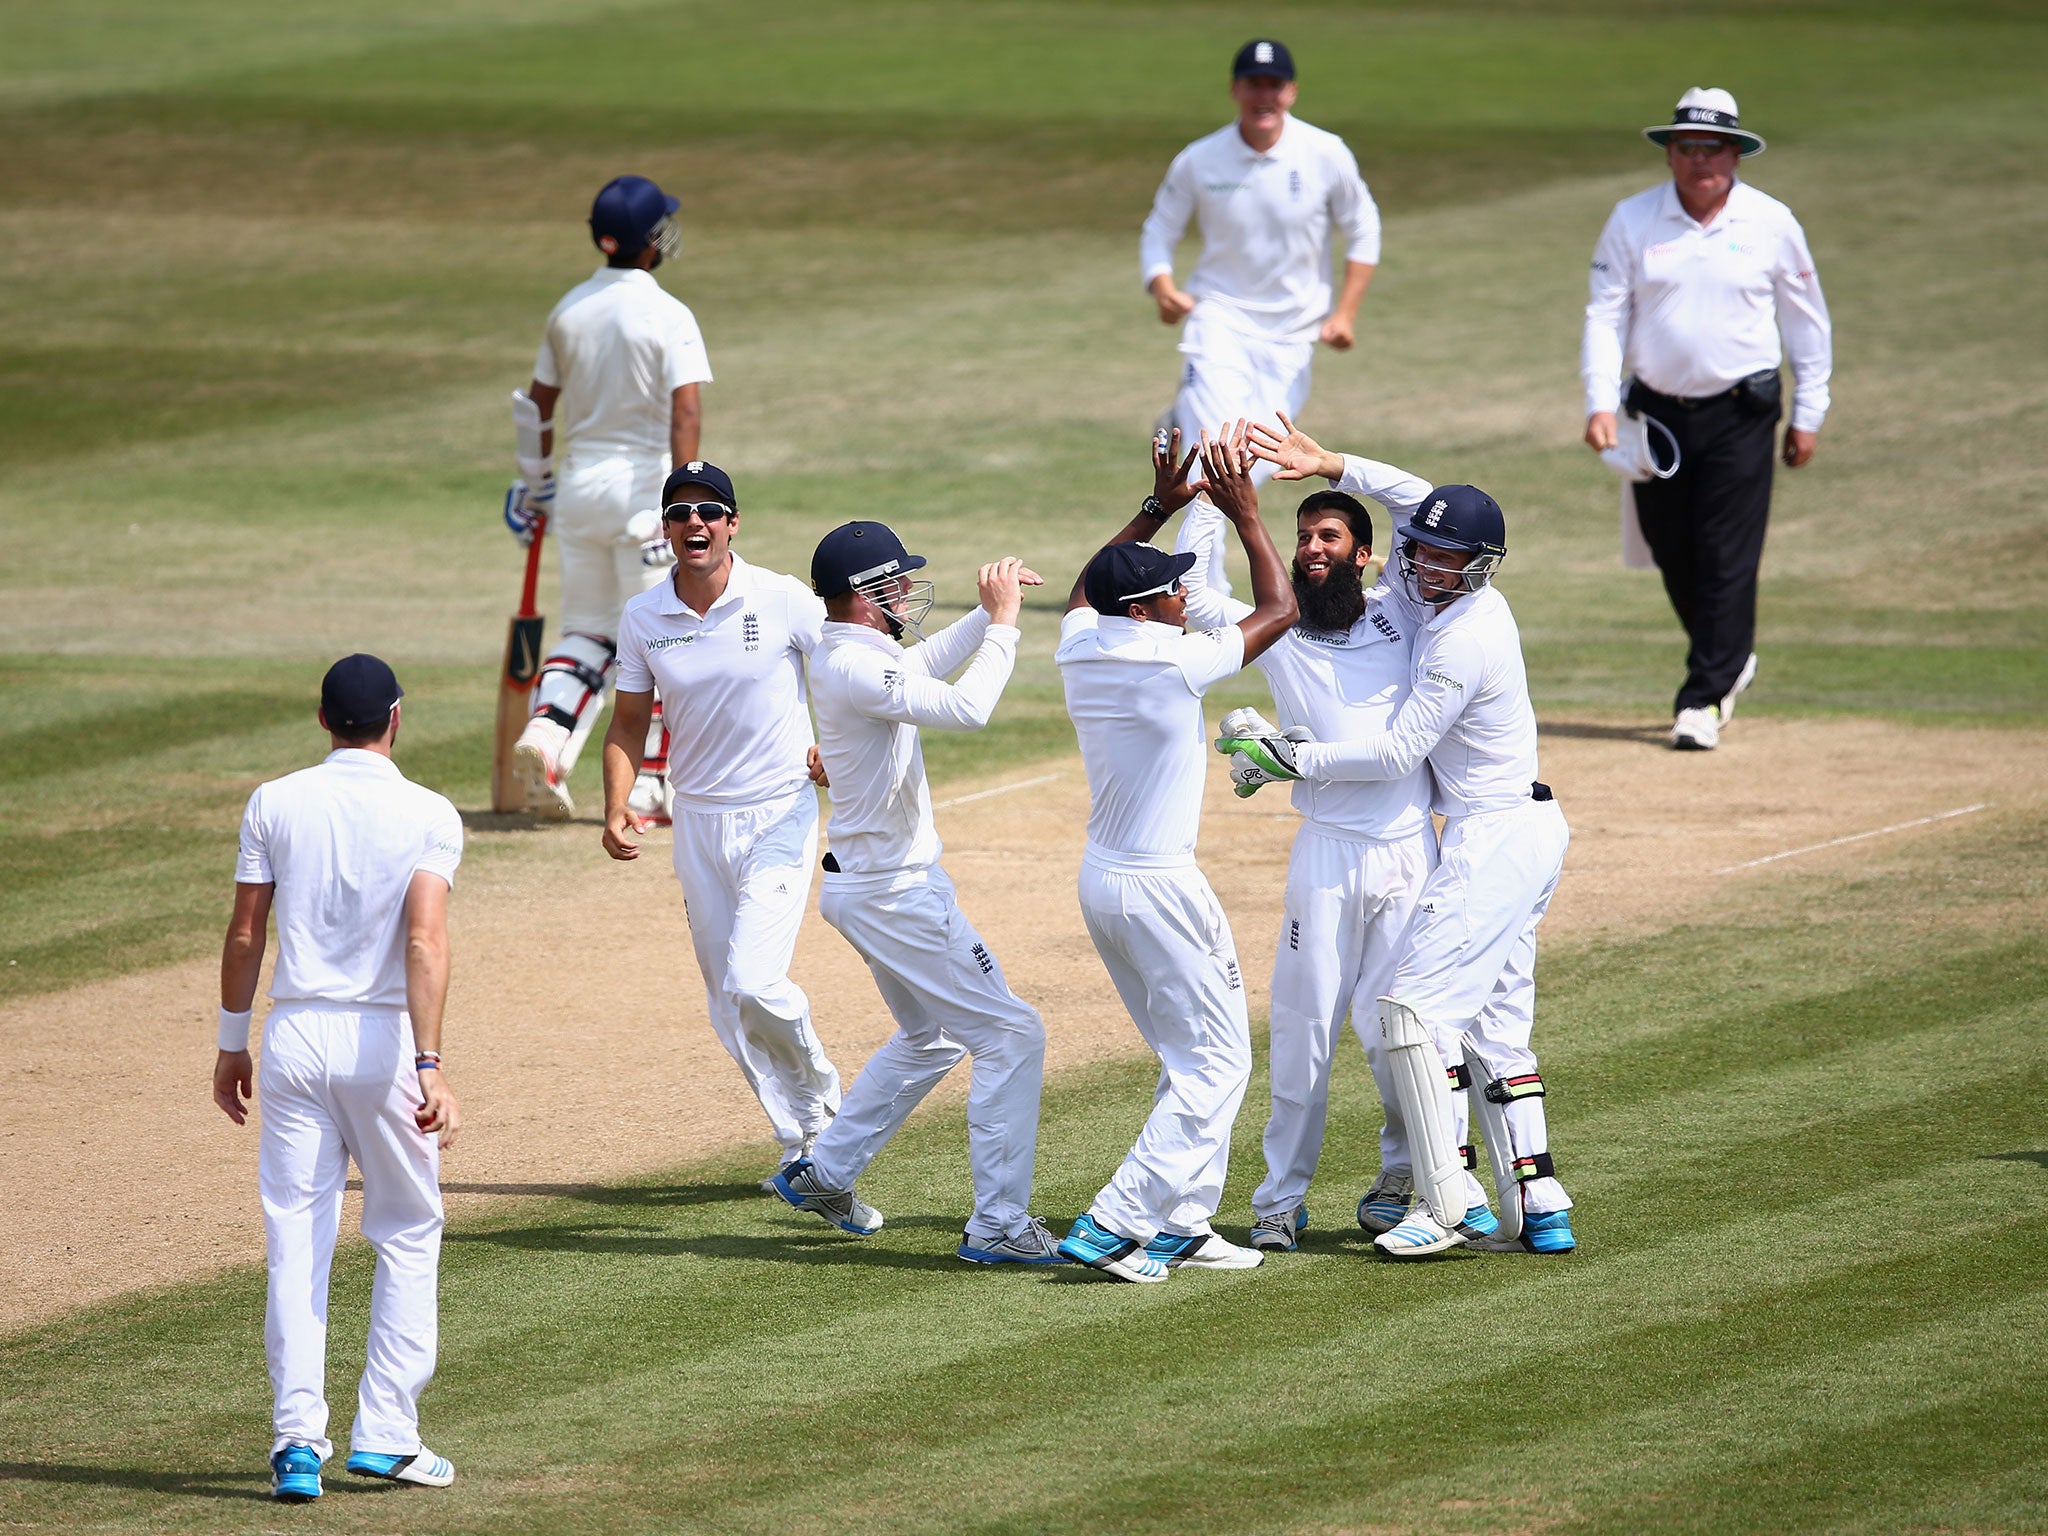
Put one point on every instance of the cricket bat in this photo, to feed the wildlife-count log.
(515, 682)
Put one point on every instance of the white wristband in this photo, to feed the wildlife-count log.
(234, 1030)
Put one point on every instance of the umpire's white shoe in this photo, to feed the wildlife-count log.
(1280, 1232)
(1697, 730)
(1202, 1250)
(1383, 1206)
(1421, 1234)
(536, 769)
(799, 1185)
(1728, 700)
(422, 1467)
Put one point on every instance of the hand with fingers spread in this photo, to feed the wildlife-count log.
(1227, 461)
(1298, 455)
(1002, 584)
(1171, 486)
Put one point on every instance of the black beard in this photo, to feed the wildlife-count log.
(1335, 603)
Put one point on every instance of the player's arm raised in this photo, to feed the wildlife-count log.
(1227, 477)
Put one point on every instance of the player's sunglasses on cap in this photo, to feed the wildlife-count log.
(706, 511)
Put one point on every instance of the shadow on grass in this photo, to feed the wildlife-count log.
(2040, 1158)
(203, 1485)
(809, 1246)
(1581, 730)
(607, 1194)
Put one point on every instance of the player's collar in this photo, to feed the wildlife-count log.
(845, 632)
(363, 758)
(738, 583)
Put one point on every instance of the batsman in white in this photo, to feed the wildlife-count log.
(1364, 848)
(724, 643)
(886, 894)
(357, 862)
(1134, 678)
(1463, 998)
(1269, 192)
(626, 364)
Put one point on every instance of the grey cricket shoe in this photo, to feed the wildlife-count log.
(789, 1159)
(1386, 1202)
(799, 1185)
(1281, 1231)
(1034, 1245)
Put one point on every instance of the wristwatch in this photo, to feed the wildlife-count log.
(1150, 507)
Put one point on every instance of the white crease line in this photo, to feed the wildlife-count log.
(1854, 837)
(1000, 789)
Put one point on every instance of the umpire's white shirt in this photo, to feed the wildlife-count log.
(341, 841)
(731, 681)
(1268, 222)
(618, 346)
(1691, 308)
(1338, 684)
(1467, 713)
(1134, 692)
(872, 698)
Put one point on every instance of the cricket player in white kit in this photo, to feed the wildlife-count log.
(1270, 194)
(1134, 679)
(1364, 848)
(626, 362)
(886, 894)
(1464, 989)
(724, 642)
(357, 862)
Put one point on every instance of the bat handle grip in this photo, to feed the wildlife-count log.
(529, 594)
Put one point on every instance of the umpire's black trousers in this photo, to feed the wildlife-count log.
(1705, 525)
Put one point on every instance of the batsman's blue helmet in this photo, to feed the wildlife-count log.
(1459, 517)
(630, 214)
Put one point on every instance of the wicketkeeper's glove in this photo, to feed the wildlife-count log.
(526, 509)
(1259, 751)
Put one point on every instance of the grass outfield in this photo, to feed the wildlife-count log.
(1814, 1197)
(267, 276)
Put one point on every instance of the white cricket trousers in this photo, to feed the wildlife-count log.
(337, 1083)
(946, 991)
(1168, 949)
(1349, 900)
(1468, 964)
(1226, 375)
(746, 878)
(600, 561)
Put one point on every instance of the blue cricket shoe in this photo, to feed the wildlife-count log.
(295, 1475)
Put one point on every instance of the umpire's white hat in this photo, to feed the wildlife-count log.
(1707, 109)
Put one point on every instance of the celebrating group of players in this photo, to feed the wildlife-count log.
(1394, 700)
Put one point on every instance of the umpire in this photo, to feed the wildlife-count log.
(1693, 281)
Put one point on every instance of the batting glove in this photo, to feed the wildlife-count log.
(645, 529)
(526, 511)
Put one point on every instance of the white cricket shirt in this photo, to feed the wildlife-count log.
(731, 681)
(1268, 223)
(872, 698)
(1690, 309)
(1467, 712)
(618, 346)
(1134, 692)
(341, 841)
(1339, 684)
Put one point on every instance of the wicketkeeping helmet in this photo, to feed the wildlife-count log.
(632, 213)
(1456, 517)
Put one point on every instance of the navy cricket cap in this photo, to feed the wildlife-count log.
(856, 552)
(1458, 517)
(358, 690)
(1263, 56)
(706, 476)
(626, 213)
(1122, 573)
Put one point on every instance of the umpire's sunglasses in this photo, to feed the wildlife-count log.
(707, 511)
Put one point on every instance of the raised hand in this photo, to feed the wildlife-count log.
(1170, 482)
(1297, 455)
(1002, 583)
(1227, 461)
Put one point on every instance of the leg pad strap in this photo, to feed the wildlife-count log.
(1505, 1090)
(1535, 1166)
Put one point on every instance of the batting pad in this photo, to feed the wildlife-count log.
(1423, 1091)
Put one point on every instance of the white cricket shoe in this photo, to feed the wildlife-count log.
(652, 800)
(1697, 730)
(1748, 676)
(1421, 1234)
(537, 770)
(1202, 1250)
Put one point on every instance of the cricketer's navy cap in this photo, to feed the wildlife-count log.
(697, 472)
(358, 690)
(1459, 517)
(856, 552)
(1263, 56)
(626, 213)
(1122, 573)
